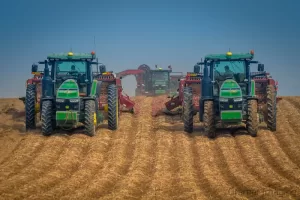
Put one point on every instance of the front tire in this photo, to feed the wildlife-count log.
(113, 107)
(252, 121)
(46, 118)
(188, 113)
(89, 118)
(209, 119)
(271, 108)
(30, 103)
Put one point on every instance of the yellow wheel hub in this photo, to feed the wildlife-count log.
(95, 119)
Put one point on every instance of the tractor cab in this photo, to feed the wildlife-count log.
(160, 80)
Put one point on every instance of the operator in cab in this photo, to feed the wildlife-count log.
(228, 73)
(73, 71)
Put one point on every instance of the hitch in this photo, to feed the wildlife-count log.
(22, 99)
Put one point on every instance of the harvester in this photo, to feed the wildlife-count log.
(192, 80)
(150, 82)
(231, 94)
(66, 93)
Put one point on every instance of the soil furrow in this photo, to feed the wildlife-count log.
(137, 180)
(68, 163)
(260, 168)
(28, 149)
(52, 149)
(116, 165)
(237, 171)
(209, 171)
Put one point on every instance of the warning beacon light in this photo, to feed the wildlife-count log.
(228, 53)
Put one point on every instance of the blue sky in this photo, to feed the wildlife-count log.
(130, 33)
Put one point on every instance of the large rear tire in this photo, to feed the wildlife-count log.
(46, 118)
(30, 103)
(188, 113)
(253, 120)
(113, 107)
(89, 118)
(271, 107)
(209, 119)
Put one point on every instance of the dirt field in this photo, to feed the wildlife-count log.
(149, 158)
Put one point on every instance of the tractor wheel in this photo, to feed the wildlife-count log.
(209, 119)
(30, 102)
(188, 110)
(113, 107)
(252, 121)
(46, 118)
(271, 108)
(89, 118)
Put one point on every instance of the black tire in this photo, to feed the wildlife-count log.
(188, 113)
(209, 119)
(113, 107)
(46, 118)
(271, 107)
(30, 103)
(89, 112)
(252, 118)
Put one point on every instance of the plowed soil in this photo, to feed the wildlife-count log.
(150, 158)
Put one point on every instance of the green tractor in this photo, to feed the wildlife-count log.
(67, 94)
(228, 95)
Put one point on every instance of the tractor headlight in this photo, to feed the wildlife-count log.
(74, 100)
(60, 100)
(238, 99)
(222, 99)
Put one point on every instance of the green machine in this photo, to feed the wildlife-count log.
(70, 95)
(227, 94)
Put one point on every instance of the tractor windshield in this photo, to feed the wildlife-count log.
(67, 67)
(161, 76)
(230, 69)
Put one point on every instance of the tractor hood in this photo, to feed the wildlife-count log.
(230, 89)
(68, 89)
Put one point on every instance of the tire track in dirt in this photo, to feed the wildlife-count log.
(118, 161)
(137, 181)
(164, 184)
(66, 165)
(90, 166)
(237, 171)
(260, 168)
(276, 158)
(293, 100)
(10, 142)
(36, 168)
(190, 187)
(213, 182)
(25, 153)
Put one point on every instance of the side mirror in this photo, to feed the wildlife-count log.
(121, 77)
(179, 79)
(261, 67)
(102, 68)
(34, 68)
(197, 69)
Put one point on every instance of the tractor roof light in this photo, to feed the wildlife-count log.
(228, 53)
(70, 54)
(93, 53)
(252, 52)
